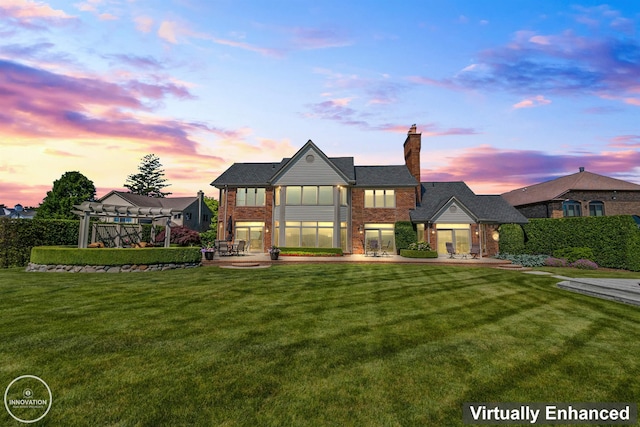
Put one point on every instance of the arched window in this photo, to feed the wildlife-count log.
(571, 208)
(596, 208)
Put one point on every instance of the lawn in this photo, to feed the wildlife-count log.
(309, 345)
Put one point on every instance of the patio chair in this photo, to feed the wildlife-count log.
(372, 248)
(475, 250)
(240, 248)
(223, 248)
(450, 249)
(385, 249)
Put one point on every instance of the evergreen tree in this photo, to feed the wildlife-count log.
(149, 181)
(71, 189)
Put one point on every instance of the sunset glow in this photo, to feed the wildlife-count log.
(506, 94)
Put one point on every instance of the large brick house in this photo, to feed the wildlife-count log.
(312, 200)
(580, 194)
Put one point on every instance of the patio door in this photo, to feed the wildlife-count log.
(252, 233)
(460, 237)
(383, 233)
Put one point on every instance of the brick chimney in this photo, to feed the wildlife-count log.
(412, 157)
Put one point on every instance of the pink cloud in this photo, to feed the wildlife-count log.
(36, 103)
(535, 101)
(625, 141)
(26, 11)
(59, 153)
(144, 24)
(494, 170)
(12, 193)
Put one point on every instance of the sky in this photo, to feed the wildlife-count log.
(505, 93)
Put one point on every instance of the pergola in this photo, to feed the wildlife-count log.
(88, 210)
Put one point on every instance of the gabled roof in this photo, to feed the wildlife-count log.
(248, 174)
(263, 174)
(493, 208)
(384, 176)
(285, 165)
(175, 203)
(556, 188)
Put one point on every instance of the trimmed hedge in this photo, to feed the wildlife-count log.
(405, 234)
(614, 240)
(327, 251)
(511, 239)
(408, 253)
(54, 255)
(18, 236)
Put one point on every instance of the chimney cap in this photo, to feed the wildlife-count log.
(413, 129)
(581, 169)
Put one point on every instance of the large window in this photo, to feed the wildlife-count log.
(571, 208)
(308, 234)
(309, 195)
(250, 197)
(379, 199)
(596, 209)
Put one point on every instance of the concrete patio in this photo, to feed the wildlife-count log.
(264, 259)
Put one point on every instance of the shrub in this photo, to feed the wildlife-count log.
(511, 239)
(584, 264)
(556, 262)
(420, 246)
(614, 240)
(524, 259)
(311, 251)
(574, 254)
(208, 238)
(18, 236)
(405, 234)
(52, 255)
(181, 236)
(411, 253)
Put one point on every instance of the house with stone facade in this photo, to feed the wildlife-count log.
(580, 194)
(312, 200)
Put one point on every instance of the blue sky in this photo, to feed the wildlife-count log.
(505, 93)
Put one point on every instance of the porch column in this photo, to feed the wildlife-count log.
(336, 217)
(480, 233)
(283, 214)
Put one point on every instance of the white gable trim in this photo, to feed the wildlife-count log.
(454, 212)
(309, 166)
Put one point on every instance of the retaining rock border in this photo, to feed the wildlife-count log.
(127, 268)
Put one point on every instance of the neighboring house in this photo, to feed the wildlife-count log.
(580, 194)
(194, 213)
(311, 200)
(18, 211)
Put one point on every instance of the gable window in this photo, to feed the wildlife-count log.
(379, 199)
(309, 195)
(571, 208)
(250, 196)
(596, 208)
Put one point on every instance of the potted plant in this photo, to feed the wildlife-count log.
(208, 252)
(274, 252)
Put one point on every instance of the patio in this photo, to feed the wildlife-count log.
(264, 258)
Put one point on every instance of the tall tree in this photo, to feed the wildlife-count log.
(71, 189)
(149, 181)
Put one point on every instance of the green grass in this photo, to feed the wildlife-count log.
(309, 345)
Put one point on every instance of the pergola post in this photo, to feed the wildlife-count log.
(83, 233)
(167, 234)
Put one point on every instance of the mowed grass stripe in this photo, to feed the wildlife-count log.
(309, 344)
